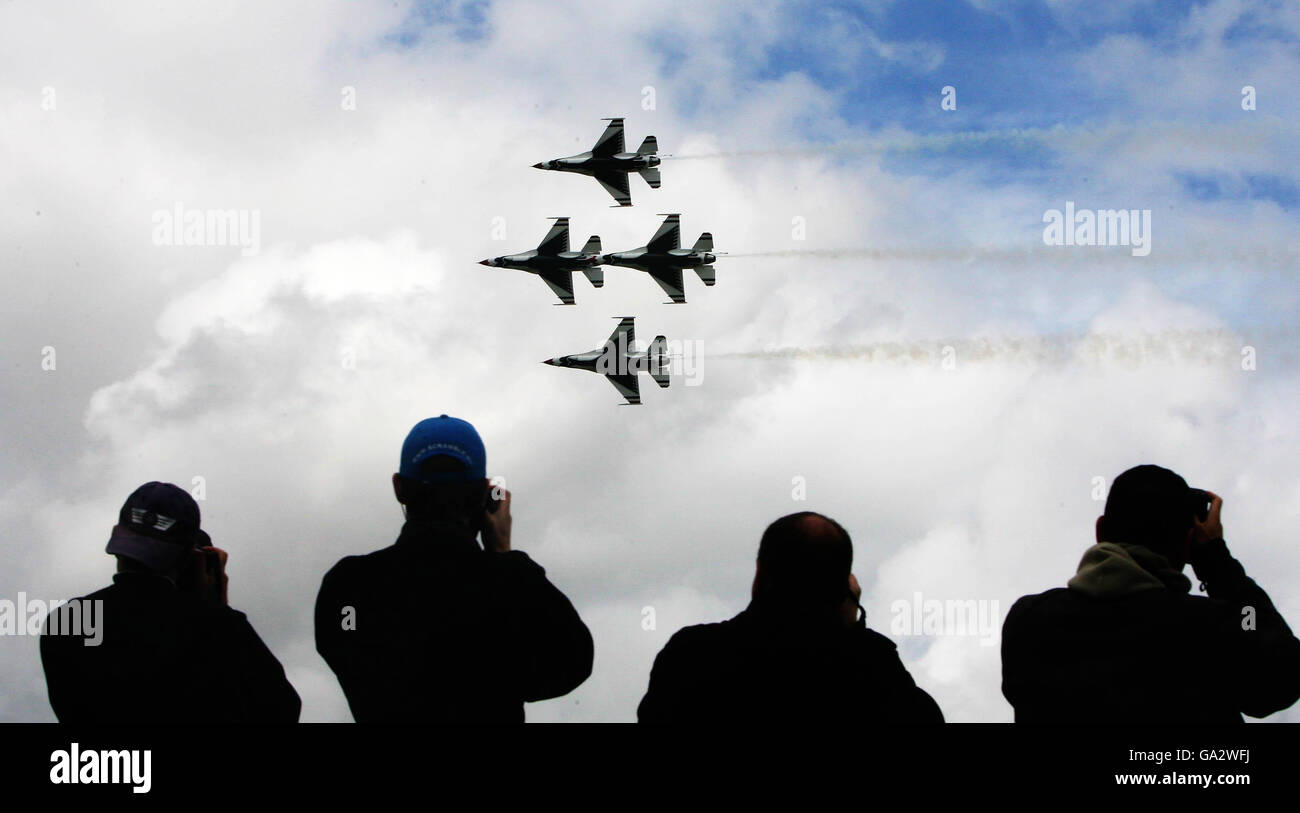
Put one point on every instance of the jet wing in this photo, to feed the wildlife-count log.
(627, 387)
(615, 183)
(610, 141)
(668, 237)
(670, 279)
(561, 282)
(627, 329)
(557, 239)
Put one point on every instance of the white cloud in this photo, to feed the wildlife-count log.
(184, 362)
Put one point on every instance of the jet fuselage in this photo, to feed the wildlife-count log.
(543, 263)
(605, 360)
(650, 260)
(587, 164)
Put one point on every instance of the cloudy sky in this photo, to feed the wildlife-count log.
(890, 337)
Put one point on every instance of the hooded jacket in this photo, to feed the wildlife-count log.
(1125, 642)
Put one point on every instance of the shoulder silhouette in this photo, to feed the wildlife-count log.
(800, 651)
(1126, 642)
(161, 645)
(438, 627)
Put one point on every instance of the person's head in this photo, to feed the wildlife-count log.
(157, 530)
(442, 472)
(804, 561)
(1152, 507)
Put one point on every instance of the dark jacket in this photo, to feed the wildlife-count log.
(446, 632)
(165, 657)
(761, 667)
(1126, 643)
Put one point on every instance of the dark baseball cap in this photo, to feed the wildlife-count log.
(449, 437)
(157, 526)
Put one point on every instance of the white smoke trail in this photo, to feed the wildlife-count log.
(1225, 257)
(1168, 138)
(1210, 346)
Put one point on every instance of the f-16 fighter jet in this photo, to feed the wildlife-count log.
(663, 258)
(554, 263)
(619, 361)
(610, 165)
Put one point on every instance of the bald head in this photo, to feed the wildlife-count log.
(804, 560)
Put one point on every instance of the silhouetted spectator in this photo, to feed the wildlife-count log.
(801, 651)
(170, 649)
(1124, 642)
(435, 628)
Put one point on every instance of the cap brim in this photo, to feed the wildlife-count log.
(412, 471)
(152, 553)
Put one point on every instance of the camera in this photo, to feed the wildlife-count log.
(493, 502)
(1200, 504)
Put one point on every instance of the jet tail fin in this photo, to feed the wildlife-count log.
(595, 275)
(651, 176)
(592, 246)
(659, 360)
(648, 147)
(705, 244)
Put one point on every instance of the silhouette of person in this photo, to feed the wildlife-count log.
(1126, 642)
(172, 650)
(435, 628)
(801, 650)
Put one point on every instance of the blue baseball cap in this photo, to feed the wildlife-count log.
(447, 436)
(157, 527)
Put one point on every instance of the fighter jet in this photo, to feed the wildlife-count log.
(663, 258)
(610, 165)
(554, 263)
(619, 361)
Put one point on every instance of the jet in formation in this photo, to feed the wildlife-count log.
(610, 165)
(619, 361)
(554, 263)
(663, 258)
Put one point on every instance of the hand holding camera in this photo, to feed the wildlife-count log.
(1206, 524)
(495, 530)
(207, 576)
(851, 611)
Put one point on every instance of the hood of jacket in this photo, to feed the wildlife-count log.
(1111, 569)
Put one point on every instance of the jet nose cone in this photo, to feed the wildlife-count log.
(538, 165)
(484, 262)
(549, 361)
